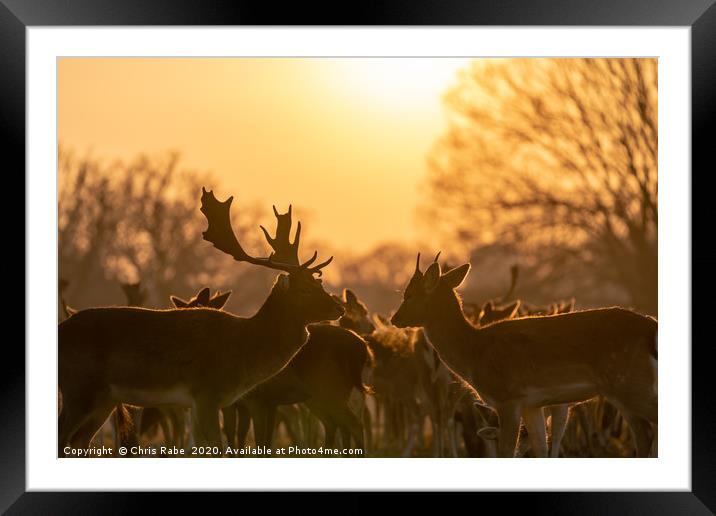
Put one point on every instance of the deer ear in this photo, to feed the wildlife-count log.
(567, 307)
(219, 300)
(456, 276)
(178, 303)
(203, 296)
(379, 321)
(513, 309)
(350, 297)
(431, 279)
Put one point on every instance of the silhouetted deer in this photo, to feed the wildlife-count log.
(322, 374)
(520, 366)
(493, 309)
(135, 294)
(356, 315)
(394, 372)
(492, 312)
(410, 382)
(396, 380)
(558, 414)
(202, 358)
(171, 419)
(560, 307)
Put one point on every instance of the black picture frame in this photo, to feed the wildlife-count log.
(699, 15)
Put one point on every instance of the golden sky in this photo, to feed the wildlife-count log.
(344, 140)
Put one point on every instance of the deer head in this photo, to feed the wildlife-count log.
(135, 294)
(566, 306)
(299, 289)
(490, 313)
(423, 289)
(356, 317)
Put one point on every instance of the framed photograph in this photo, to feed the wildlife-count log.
(378, 257)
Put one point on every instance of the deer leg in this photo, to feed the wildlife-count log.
(560, 416)
(63, 429)
(536, 432)
(308, 421)
(131, 435)
(345, 436)
(368, 425)
(177, 418)
(264, 416)
(330, 429)
(468, 427)
(523, 444)
(379, 422)
(325, 415)
(75, 413)
(270, 425)
(244, 421)
(350, 427)
(258, 416)
(436, 419)
(509, 417)
(391, 423)
(452, 436)
(640, 411)
(84, 434)
(173, 426)
(191, 433)
(291, 416)
(399, 423)
(207, 419)
(117, 432)
(348, 424)
(412, 419)
(180, 428)
(229, 415)
(164, 423)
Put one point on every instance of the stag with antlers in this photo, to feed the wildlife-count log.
(203, 358)
(322, 375)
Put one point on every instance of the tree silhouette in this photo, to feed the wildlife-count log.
(558, 158)
(140, 221)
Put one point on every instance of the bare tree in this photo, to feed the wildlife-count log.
(558, 158)
(125, 222)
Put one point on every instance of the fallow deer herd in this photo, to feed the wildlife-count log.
(497, 379)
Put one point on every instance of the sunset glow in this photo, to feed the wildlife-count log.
(344, 140)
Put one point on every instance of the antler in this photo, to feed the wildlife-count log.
(222, 236)
(284, 250)
(514, 274)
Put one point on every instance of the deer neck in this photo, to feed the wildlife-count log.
(452, 336)
(279, 332)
